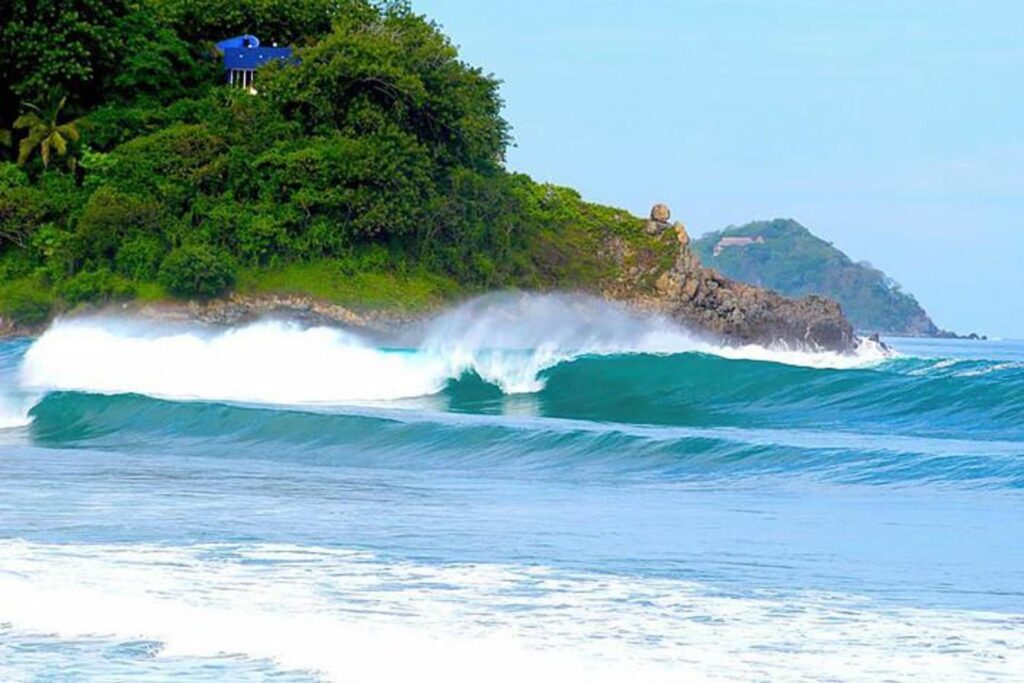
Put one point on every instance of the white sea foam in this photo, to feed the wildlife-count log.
(12, 416)
(355, 617)
(507, 340)
(13, 409)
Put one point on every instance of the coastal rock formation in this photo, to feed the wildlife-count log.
(706, 301)
(660, 216)
(239, 310)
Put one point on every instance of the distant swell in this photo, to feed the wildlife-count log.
(517, 445)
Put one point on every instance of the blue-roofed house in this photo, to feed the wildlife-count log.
(243, 55)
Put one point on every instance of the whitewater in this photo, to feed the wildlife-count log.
(542, 487)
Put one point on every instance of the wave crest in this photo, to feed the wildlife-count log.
(506, 340)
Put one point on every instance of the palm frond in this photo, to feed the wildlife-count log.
(58, 143)
(46, 134)
(25, 150)
(69, 130)
(28, 121)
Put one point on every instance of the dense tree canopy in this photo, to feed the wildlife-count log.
(375, 149)
(66, 46)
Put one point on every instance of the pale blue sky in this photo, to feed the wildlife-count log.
(893, 128)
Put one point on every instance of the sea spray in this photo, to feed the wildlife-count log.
(14, 403)
(272, 362)
(506, 340)
(13, 412)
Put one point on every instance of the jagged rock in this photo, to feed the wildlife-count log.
(681, 234)
(660, 215)
(707, 302)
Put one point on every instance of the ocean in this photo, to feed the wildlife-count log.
(523, 488)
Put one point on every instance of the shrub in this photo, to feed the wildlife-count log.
(373, 186)
(198, 270)
(111, 215)
(173, 165)
(15, 264)
(95, 285)
(60, 251)
(11, 176)
(25, 301)
(254, 234)
(139, 257)
(22, 211)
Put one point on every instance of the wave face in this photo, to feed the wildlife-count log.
(525, 487)
(544, 381)
(506, 341)
(14, 404)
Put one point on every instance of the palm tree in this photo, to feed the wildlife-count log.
(46, 134)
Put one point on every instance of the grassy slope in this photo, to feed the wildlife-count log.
(329, 280)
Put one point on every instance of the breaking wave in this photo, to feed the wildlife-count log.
(507, 341)
(524, 383)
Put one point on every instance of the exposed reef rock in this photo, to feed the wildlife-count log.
(735, 312)
(239, 310)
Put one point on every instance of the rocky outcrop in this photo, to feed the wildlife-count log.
(660, 216)
(12, 328)
(239, 310)
(767, 253)
(706, 301)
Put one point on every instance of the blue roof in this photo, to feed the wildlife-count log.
(246, 40)
(254, 57)
(244, 52)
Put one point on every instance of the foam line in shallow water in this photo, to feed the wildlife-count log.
(506, 340)
(355, 616)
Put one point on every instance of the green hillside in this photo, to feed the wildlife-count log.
(783, 255)
(368, 168)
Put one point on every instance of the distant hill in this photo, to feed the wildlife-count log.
(783, 255)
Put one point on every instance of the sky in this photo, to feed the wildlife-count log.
(892, 128)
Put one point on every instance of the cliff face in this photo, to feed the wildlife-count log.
(706, 301)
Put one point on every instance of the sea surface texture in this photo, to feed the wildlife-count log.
(522, 489)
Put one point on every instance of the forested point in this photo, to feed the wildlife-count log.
(785, 256)
(368, 169)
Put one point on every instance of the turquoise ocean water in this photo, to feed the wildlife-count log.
(526, 488)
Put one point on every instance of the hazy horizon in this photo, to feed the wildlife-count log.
(889, 129)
